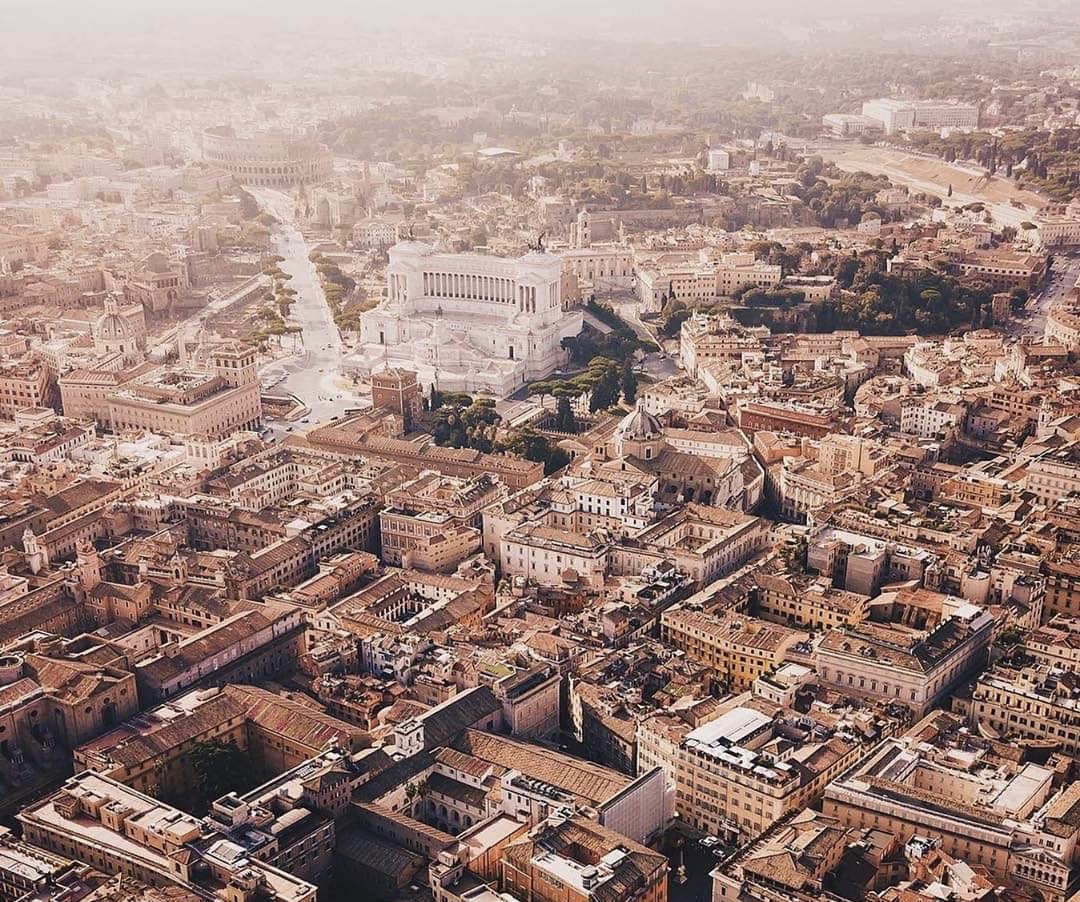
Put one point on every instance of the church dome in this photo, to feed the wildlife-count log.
(111, 326)
(640, 426)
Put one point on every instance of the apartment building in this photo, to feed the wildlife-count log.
(1054, 474)
(736, 647)
(433, 507)
(690, 283)
(442, 551)
(862, 563)
(246, 646)
(1032, 703)
(572, 859)
(23, 244)
(28, 872)
(939, 780)
(703, 542)
(1056, 643)
(707, 339)
(24, 385)
(738, 272)
(815, 605)
(150, 751)
(120, 831)
(932, 418)
(785, 418)
(741, 772)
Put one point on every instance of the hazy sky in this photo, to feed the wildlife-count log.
(34, 34)
(710, 16)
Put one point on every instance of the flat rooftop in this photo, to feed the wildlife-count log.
(730, 728)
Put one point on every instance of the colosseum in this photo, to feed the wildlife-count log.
(271, 159)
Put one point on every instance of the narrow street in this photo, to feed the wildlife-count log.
(1058, 288)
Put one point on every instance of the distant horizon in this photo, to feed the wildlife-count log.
(77, 31)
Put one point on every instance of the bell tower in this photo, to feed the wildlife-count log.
(235, 364)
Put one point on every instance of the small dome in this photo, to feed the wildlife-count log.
(640, 426)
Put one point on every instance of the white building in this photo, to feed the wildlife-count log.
(1058, 226)
(719, 160)
(931, 417)
(471, 322)
(1055, 474)
(904, 115)
(845, 125)
(607, 267)
(704, 280)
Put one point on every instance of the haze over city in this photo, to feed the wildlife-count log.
(540, 452)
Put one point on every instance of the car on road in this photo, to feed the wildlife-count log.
(708, 842)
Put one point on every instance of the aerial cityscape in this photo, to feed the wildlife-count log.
(477, 451)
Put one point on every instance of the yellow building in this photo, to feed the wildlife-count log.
(1039, 703)
(23, 385)
(815, 606)
(738, 648)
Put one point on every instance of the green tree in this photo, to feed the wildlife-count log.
(535, 446)
(416, 792)
(565, 421)
(461, 422)
(220, 768)
(604, 375)
(629, 382)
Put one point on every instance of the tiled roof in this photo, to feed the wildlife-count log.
(141, 739)
(444, 723)
(71, 681)
(372, 853)
(590, 782)
(587, 842)
(301, 723)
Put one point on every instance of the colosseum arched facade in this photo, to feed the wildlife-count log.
(268, 159)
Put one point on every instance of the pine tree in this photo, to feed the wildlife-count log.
(629, 382)
(564, 418)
